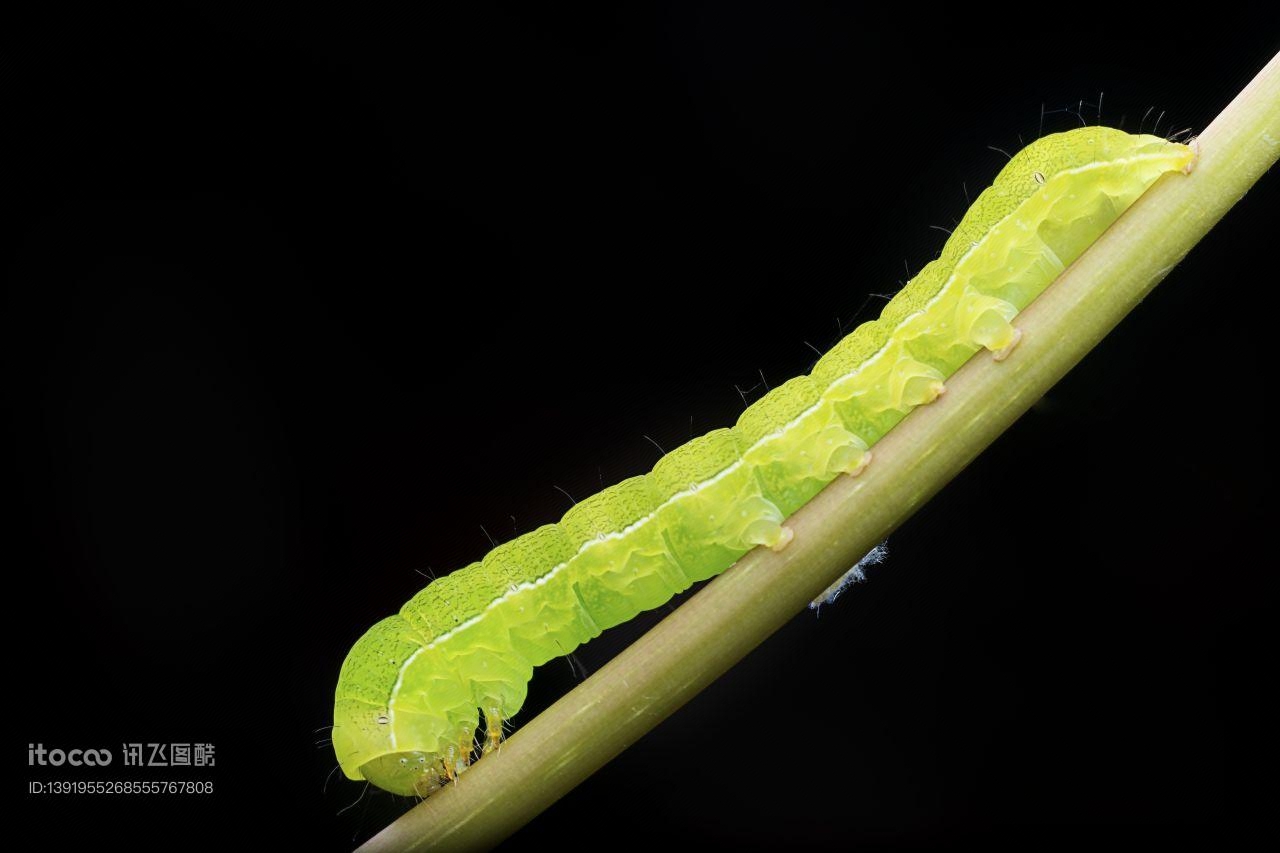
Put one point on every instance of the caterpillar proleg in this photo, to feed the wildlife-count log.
(413, 689)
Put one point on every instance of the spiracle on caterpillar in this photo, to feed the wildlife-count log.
(414, 688)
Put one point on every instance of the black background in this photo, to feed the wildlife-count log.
(299, 300)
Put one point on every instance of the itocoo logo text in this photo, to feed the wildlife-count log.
(38, 755)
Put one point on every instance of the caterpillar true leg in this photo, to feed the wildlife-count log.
(492, 728)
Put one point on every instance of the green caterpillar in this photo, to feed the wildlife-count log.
(405, 715)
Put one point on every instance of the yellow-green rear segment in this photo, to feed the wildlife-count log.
(411, 690)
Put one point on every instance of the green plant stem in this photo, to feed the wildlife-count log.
(717, 627)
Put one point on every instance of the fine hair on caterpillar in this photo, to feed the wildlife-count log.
(857, 574)
(414, 690)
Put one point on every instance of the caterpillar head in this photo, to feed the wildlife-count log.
(397, 723)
